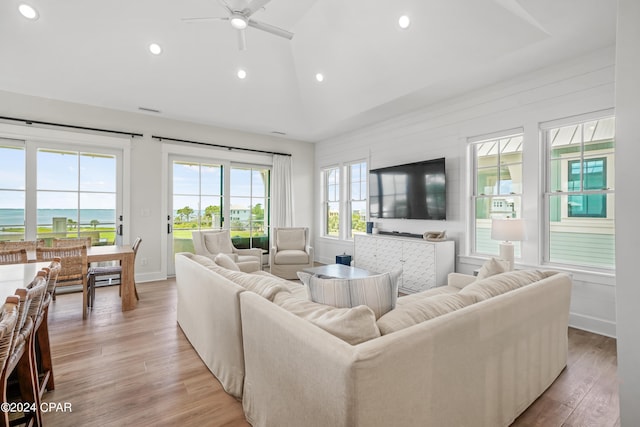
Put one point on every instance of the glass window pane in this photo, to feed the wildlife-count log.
(581, 241)
(212, 212)
(12, 168)
(57, 170)
(211, 177)
(186, 178)
(488, 208)
(240, 182)
(487, 180)
(97, 173)
(333, 219)
(358, 217)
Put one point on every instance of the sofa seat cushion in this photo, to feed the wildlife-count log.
(291, 257)
(500, 283)
(378, 292)
(353, 325)
(292, 286)
(421, 310)
(439, 290)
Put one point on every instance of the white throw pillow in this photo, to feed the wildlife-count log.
(502, 283)
(353, 325)
(492, 267)
(378, 292)
(223, 260)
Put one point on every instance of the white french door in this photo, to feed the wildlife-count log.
(195, 202)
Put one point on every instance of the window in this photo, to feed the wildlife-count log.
(249, 207)
(580, 192)
(331, 202)
(357, 197)
(497, 187)
(12, 190)
(76, 195)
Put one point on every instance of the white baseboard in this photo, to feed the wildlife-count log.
(150, 277)
(592, 324)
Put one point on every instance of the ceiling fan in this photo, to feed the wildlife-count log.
(240, 19)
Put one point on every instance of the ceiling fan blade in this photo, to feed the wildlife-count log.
(224, 4)
(204, 19)
(242, 40)
(270, 29)
(254, 6)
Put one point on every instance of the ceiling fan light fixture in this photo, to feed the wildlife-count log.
(238, 22)
(28, 11)
(404, 22)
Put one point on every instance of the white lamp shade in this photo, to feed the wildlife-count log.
(509, 230)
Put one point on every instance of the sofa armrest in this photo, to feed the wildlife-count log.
(459, 280)
(309, 250)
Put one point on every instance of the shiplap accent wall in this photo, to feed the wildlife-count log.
(578, 86)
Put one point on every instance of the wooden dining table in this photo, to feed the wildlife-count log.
(14, 276)
(122, 253)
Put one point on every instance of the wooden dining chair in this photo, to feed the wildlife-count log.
(44, 365)
(8, 319)
(13, 256)
(29, 245)
(21, 355)
(73, 261)
(70, 242)
(115, 270)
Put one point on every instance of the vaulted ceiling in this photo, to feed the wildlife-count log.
(96, 52)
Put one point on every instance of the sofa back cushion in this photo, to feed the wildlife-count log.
(265, 286)
(496, 285)
(353, 325)
(421, 310)
(201, 259)
(378, 292)
(290, 239)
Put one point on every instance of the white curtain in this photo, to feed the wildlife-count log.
(281, 192)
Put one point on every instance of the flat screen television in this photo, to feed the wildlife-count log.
(411, 191)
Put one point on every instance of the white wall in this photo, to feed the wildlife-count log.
(148, 215)
(627, 206)
(576, 87)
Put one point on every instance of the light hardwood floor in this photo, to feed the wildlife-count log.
(137, 368)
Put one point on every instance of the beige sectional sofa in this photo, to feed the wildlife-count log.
(472, 353)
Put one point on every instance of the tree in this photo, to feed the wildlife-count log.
(95, 223)
(257, 212)
(71, 224)
(357, 222)
(185, 213)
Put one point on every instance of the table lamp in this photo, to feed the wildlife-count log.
(509, 231)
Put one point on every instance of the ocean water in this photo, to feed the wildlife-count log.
(9, 217)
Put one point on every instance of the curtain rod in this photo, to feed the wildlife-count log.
(37, 122)
(228, 147)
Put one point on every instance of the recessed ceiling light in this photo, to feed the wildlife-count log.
(155, 49)
(242, 74)
(320, 77)
(28, 11)
(404, 22)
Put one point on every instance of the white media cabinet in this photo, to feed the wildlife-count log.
(424, 264)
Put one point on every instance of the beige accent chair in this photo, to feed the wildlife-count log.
(290, 252)
(213, 242)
